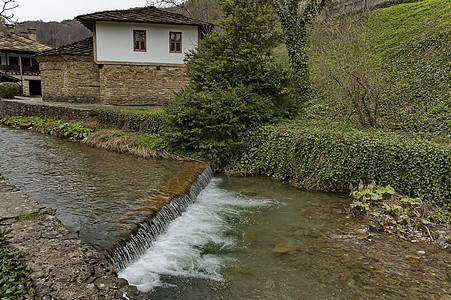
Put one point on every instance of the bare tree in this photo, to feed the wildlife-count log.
(345, 66)
(8, 5)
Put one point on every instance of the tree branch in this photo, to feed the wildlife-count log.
(7, 6)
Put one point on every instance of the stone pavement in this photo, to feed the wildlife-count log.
(62, 267)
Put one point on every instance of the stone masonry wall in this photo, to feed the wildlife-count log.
(140, 85)
(16, 107)
(72, 79)
(77, 79)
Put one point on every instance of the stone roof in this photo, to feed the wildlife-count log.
(148, 14)
(16, 43)
(84, 47)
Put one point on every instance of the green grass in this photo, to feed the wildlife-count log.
(415, 41)
(402, 26)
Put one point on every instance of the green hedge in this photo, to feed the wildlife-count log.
(8, 90)
(141, 120)
(325, 158)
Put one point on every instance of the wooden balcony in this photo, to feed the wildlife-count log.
(15, 69)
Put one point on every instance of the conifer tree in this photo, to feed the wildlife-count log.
(234, 84)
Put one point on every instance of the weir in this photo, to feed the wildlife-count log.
(142, 238)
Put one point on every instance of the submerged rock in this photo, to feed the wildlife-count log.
(284, 248)
(362, 234)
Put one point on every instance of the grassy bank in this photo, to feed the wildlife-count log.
(53, 126)
(135, 143)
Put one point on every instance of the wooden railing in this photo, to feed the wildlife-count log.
(15, 69)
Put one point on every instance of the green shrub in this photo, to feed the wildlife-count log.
(141, 120)
(8, 90)
(215, 123)
(47, 125)
(14, 280)
(326, 158)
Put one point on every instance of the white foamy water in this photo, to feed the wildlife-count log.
(195, 244)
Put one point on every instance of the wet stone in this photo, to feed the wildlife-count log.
(284, 248)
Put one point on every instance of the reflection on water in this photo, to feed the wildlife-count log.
(95, 192)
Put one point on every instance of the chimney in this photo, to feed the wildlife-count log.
(32, 33)
(10, 28)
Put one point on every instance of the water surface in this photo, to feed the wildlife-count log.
(97, 193)
(254, 238)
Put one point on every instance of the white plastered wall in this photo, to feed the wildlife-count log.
(114, 43)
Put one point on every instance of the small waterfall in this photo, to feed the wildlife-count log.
(148, 231)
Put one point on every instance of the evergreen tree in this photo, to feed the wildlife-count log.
(234, 86)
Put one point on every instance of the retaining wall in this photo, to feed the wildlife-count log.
(24, 108)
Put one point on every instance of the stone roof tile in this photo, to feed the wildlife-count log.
(18, 43)
(84, 47)
(148, 14)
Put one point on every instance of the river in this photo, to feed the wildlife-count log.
(244, 238)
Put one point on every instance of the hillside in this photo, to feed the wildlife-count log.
(394, 64)
(415, 40)
(57, 34)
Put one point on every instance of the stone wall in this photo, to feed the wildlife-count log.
(341, 7)
(140, 85)
(72, 79)
(25, 108)
(77, 79)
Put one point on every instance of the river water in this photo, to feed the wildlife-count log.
(244, 238)
(97, 193)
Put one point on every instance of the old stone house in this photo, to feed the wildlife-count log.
(135, 57)
(16, 59)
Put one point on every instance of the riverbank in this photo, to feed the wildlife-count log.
(366, 235)
(61, 266)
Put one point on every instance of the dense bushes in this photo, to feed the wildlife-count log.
(8, 90)
(138, 119)
(314, 156)
(215, 123)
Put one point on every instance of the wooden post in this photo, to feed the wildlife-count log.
(21, 73)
